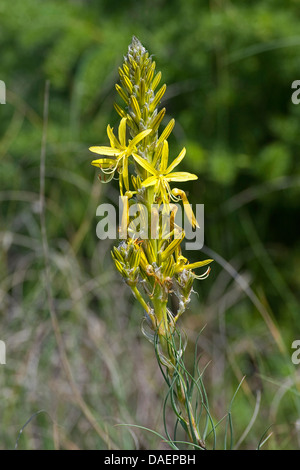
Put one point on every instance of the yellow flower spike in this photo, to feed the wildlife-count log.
(119, 150)
(153, 268)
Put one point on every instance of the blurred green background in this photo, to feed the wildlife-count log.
(229, 67)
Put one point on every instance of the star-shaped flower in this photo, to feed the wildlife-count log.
(160, 178)
(120, 151)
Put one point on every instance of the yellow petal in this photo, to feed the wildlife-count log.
(112, 138)
(164, 157)
(104, 162)
(110, 151)
(122, 132)
(149, 181)
(146, 165)
(198, 264)
(190, 215)
(181, 265)
(138, 138)
(181, 176)
(176, 161)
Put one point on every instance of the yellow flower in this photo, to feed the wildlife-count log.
(119, 150)
(182, 264)
(160, 178)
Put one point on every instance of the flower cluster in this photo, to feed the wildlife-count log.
(154, 267)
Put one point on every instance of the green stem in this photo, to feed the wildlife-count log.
(170, 353)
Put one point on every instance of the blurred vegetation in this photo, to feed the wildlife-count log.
(229, 67)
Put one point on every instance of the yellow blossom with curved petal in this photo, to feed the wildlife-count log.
(182, 263)
(119, 150)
